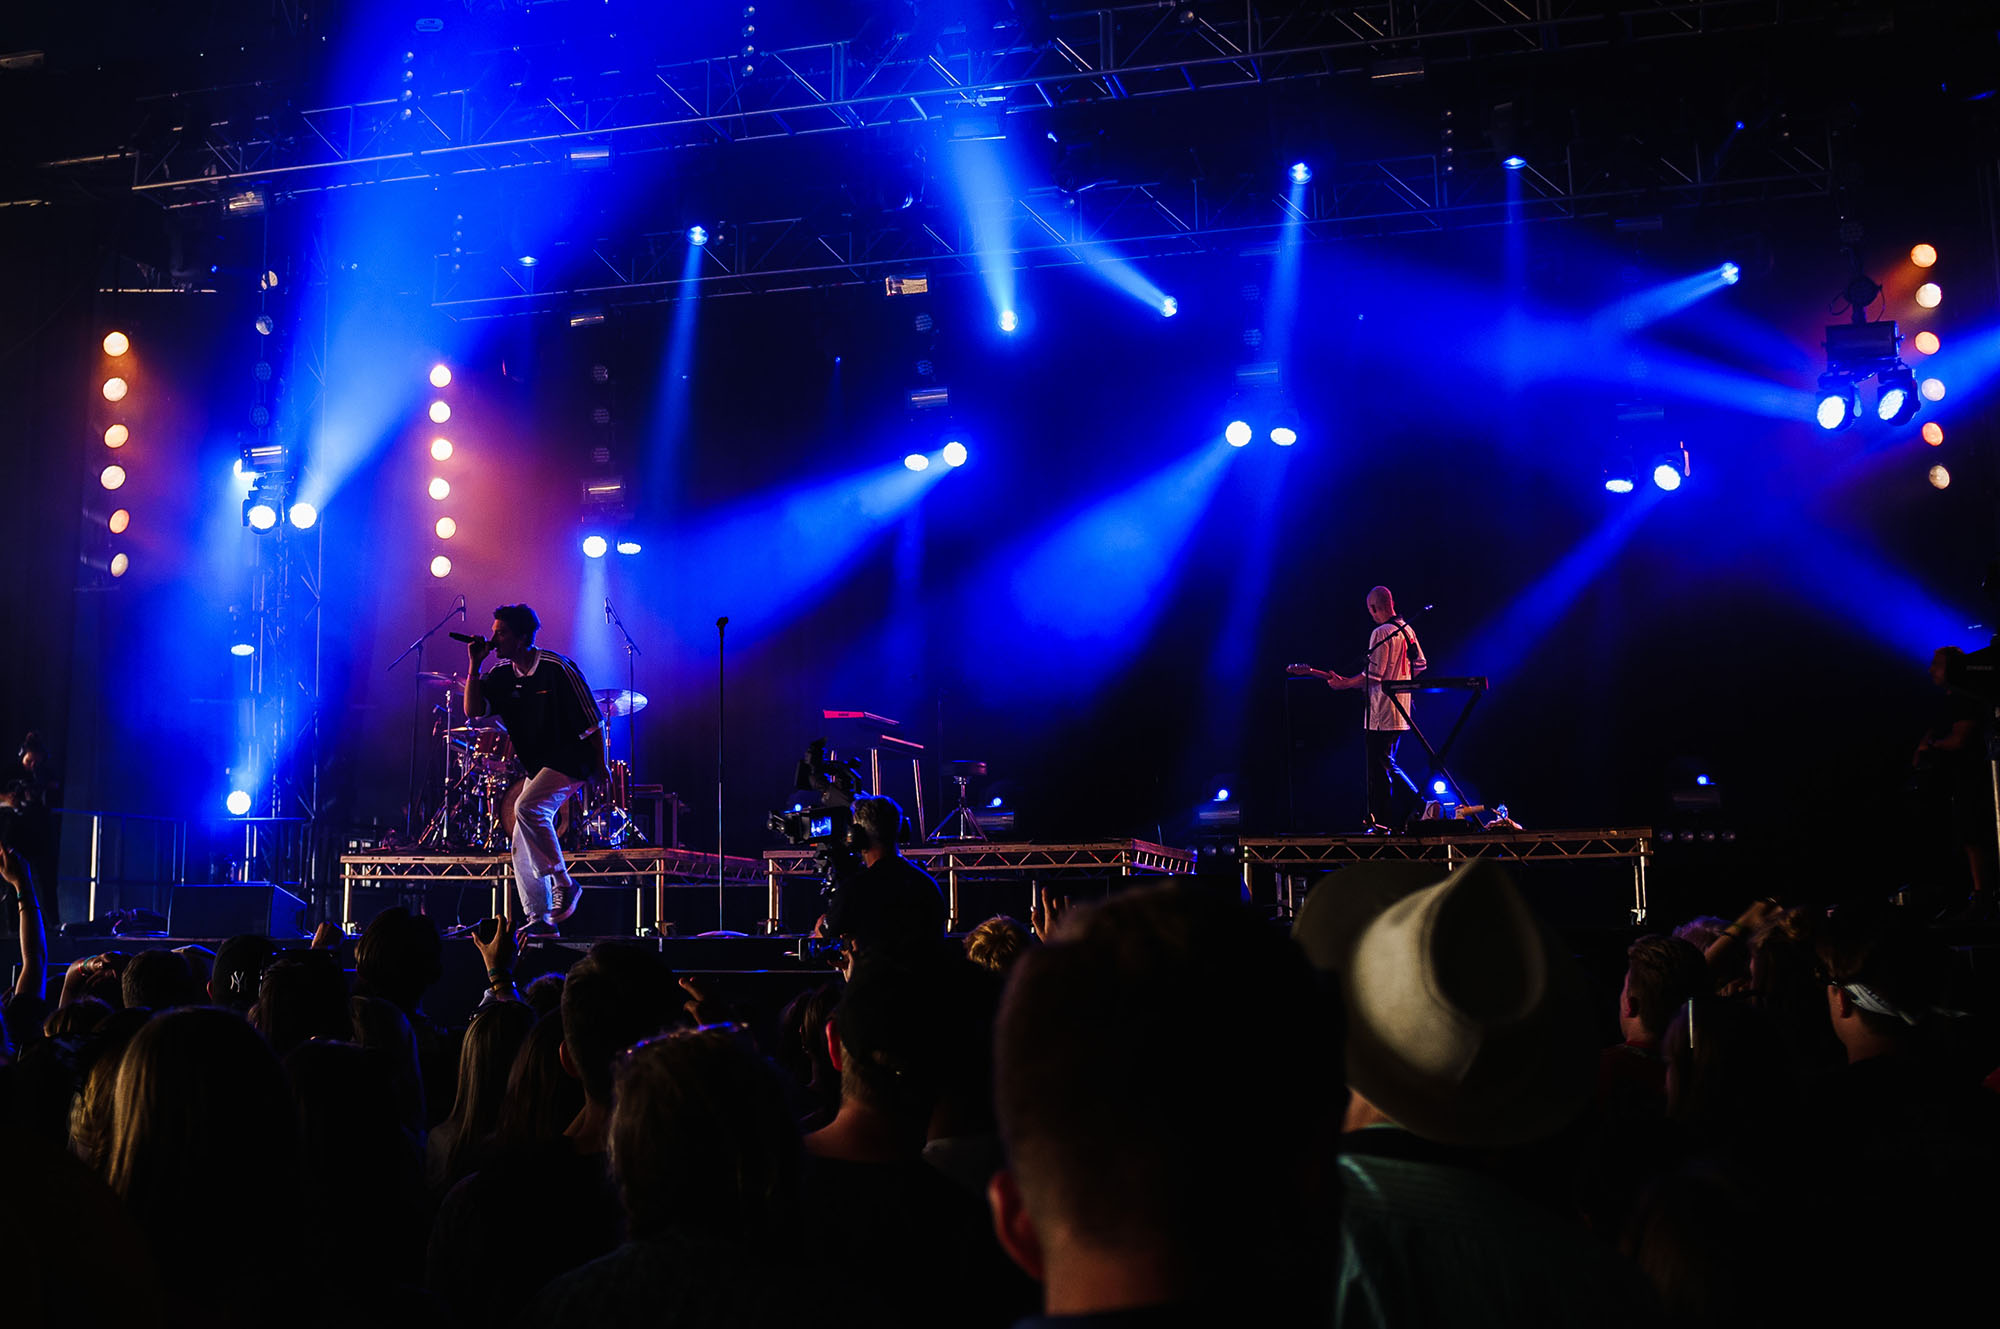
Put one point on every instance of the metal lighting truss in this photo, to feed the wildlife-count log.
(1047, 227)
(529, 106)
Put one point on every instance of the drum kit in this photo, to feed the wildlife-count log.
(483, 778)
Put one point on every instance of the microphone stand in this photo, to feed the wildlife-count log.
(721, 863)
(417, 708)
(631, 694)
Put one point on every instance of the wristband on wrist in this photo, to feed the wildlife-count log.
(495, 975)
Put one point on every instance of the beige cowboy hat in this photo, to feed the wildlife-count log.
(1467, 1020)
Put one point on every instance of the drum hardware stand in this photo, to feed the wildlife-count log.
(961, 773)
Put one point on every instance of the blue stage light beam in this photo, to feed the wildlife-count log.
(979, 171)
(1857, 589)
(1078, 601)
(1503, 644)
(674, 396)
(768, 555)
(1649, 306)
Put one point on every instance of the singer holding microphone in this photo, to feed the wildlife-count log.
(558, 733)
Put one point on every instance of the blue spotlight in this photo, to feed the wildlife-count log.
(527, 260)
(1703, 781)
(242, 648)
(1170, 306)
(697, 235)
(1619, 484)
(1836, 408)
(954, 453)
(1009, 320)
(628, 546)
(1222, 794)
(1514, 163)
(594, 546)
(1896, 400)
(1301, 173)
(993, 802)
(1284, 436)
(917, 461)
(1238, 433)
(238, 802)
(1439, 787)
(1667, 476)
(304, 515)
(1731, 274)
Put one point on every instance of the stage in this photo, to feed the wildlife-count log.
(649, 873)
(1294, 858)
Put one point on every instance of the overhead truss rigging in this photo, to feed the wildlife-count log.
(1049, 228)
(195, 148)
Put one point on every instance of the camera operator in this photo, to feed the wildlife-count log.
(882, 900)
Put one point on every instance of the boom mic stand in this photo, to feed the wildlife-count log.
(417, 708)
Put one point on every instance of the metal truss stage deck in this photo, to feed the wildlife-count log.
(965, 860)
(1294, 857)
(631, 869)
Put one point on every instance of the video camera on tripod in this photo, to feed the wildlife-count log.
(834, 783)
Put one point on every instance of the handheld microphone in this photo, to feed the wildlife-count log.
(722, 622)
(469, 641)
(607, 610)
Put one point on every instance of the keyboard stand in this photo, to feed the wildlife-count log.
(1436, 754)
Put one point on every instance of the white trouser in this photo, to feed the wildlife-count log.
(538, 856)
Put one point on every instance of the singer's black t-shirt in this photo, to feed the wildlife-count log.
(550, 715)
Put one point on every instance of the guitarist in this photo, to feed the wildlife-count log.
(1393, 655)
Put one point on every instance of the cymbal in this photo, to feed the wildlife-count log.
(441, 680)
(618, 703)
(474, 726)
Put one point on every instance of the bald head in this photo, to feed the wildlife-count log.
(1381, 604)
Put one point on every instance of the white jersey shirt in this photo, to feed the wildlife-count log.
(1393, 654)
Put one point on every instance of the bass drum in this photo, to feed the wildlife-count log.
(566, 815)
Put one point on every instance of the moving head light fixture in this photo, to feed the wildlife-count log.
(1857, 351)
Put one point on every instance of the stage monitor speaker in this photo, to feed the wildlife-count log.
(235, 909)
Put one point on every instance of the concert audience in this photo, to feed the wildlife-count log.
(362, 1175)
(160, 980)
(997, 943)
(202, 1121)
(706, 1161)
(906, 1239)
(302, 996)
(1167, 1091)
(804, 1055)
(548, 1206)
(239, 969)
(1469, 1049)
(399, 958)
(485, 1060)
(1662, 974)
(542, 1098)
(1159, 1139)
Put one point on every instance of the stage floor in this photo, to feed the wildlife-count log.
(1294, 858)
(651, 872)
